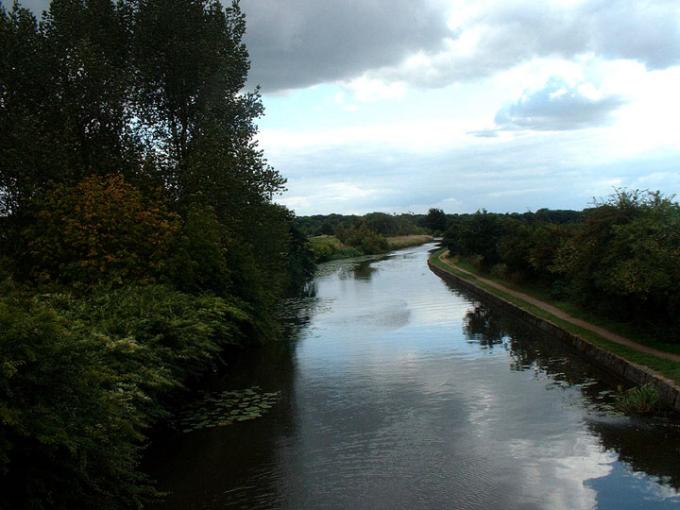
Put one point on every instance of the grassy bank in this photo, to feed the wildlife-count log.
(328, 248)
(667, 368)
(398, 242)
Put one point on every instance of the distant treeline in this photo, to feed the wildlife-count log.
(619, 258)
(435, 221)
(138, 236)
(380, 223)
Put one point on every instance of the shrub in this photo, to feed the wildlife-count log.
(81, 380)
(477, 261)
(327, 248)
(364, 239)
(500, 271)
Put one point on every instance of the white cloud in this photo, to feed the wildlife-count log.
(370, 89)
(558, 106)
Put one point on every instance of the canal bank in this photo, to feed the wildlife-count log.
(539, 316)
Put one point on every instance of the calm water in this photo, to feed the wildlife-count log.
(401, 392)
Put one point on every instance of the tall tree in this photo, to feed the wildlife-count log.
(435, 220)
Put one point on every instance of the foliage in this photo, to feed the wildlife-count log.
(638, 400)
(382, 223)
(625, 259)
(132, 188)
(327, 248)
(103, 228)
(435, 221)
(366, 242)
(363, 238)
(81, 379)
(478, 234)
(622, 259)
(199, 260)
(301, 260)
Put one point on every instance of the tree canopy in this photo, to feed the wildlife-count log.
(139, 236)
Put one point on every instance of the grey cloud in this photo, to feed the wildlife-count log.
(519, 174)
(303, 42)
(512, 33)
(647, 31)
(556, 107)
(297, 43)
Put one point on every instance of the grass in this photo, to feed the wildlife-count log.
(397, 242)
(668, 368)
(640, 400)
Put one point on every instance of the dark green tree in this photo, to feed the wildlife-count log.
(435, 220)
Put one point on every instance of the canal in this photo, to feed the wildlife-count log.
(396, 390)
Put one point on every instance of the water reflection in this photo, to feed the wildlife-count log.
(362, 268)
(482, 327)
(399, 391)
(629, 438)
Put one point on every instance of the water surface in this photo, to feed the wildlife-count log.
(399, 391)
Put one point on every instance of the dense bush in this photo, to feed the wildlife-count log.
(102, 228)
(364, 238)
(639, 400)
(81, 380)
(327, 248)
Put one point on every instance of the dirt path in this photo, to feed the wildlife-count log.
(561, 314)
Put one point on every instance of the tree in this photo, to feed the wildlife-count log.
(101, 229)
(138, 232)
(435, 220)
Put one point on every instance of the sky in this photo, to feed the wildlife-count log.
(507, 105)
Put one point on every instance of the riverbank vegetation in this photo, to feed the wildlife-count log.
(336, 236)
(398, 242)
(616, 264)
(638, 400)
(138, 236)
(326, 248)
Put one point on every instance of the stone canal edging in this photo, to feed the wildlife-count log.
(669, 392)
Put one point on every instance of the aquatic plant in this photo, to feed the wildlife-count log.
(227, 407)
(638, 400)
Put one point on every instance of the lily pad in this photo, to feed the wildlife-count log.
(221, 409)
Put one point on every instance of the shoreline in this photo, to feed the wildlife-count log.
(669, 391)
(339, 251)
